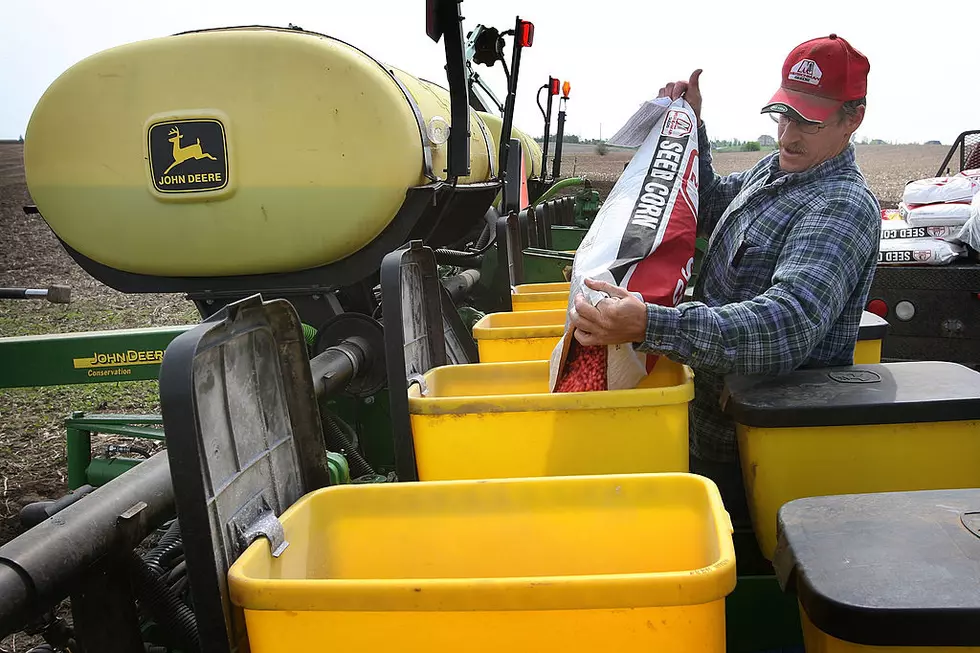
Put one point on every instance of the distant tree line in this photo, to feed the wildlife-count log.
(736, 145)
(567, 138)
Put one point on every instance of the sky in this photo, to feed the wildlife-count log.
(615, 53)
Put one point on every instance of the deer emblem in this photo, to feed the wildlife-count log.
(182, 154)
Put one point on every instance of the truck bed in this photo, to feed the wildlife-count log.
(945, 324)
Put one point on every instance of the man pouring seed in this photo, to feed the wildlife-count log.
(793, 244)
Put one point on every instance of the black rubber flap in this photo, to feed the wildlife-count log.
(887, 569)
(883, 393)
(415, 342)
(244, 441)
(460, 346)
(872, 327)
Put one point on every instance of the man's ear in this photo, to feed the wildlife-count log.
(853, 122)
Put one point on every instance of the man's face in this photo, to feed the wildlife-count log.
(804, 145)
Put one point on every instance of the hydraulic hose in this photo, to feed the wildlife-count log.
(160, 556)
(448, 256)
(164, 605)
(348, 430)
(558, 186)
(485, 237)
(337, 441)
(456, 257)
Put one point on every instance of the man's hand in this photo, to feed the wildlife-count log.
(689, 89)
(620, 319)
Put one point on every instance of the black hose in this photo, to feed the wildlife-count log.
(163, 605)
(34, 513)
(485, 237)
(159, 557)
(337, 441)
(179, 585)
(176, 573)
(484, 242)
(456, 257)
(349, 431)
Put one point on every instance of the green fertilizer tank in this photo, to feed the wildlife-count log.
(238, 151)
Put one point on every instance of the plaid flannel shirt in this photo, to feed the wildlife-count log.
(782, 285)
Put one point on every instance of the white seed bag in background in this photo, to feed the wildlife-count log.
(970, 232)
(919, 251)
(900, 229)
(953, 214)
(960, 187)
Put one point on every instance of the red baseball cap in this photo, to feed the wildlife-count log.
(818, 77)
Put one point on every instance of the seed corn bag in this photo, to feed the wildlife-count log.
(643, 240)
(956, 188)
(919, 251)
(948, 214)
(901, 230)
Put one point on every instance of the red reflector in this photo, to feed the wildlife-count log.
(527, 34)
(555, 83)
(878, 307)
(566, 87)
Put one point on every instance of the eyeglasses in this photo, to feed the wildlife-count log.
(806, 127)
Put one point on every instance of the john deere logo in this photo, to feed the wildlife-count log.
(188, 156)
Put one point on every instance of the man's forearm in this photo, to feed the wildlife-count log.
(733, 338)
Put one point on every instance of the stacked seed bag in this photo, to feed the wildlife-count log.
(970, 232)
(940, 201)
(926, 228)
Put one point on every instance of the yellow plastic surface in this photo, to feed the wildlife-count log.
(321, 141)
(867, 352)
(590, 563)
(530, 147)
(518, 336)
(782, 464)
(539, 301)
(531, 288)
(493, 420)
(816, 641)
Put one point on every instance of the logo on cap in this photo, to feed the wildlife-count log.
(806, 71)
(778, 108)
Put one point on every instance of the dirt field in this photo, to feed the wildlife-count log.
(32, 439)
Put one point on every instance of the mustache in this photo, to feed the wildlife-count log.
(793, 149)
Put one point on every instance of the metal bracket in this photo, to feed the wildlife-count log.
(256, 519)
(420, 380)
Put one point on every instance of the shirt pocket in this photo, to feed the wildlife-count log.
(751, 270)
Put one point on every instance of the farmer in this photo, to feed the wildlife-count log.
(793, 244)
